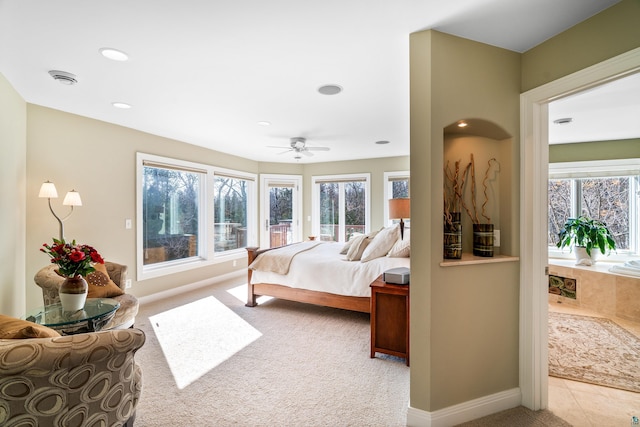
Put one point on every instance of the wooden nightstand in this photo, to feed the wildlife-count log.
(390, 319)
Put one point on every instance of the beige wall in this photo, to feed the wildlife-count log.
(598, 150)
(13, 165)
(464, 325)
(99, 160)
(603, 36)
(464, 320)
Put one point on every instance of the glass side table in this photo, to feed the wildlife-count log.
(96, 314)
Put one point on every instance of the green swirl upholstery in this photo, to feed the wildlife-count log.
(86, 380)
(125, 316)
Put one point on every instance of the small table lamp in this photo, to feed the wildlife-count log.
(48, 191)
(399, 209)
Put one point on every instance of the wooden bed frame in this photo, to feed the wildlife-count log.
(362, 304)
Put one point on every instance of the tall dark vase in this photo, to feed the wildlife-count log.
(452, 237)
(483, 240)
(73, 293)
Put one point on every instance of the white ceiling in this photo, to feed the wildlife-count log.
(207, 71)
(607, 112)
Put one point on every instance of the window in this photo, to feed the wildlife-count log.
(178, 229)
(605, 190)
(231, 207)
(170, 213)
(396, 186)
(340, 206)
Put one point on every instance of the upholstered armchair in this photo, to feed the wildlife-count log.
(49, 280)
(75, 380)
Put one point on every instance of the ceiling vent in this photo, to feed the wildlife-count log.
(563, 121)
(63, 77)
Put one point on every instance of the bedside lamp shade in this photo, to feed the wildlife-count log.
(399, 209)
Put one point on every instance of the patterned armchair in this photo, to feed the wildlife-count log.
(76, 380)
(125, 316)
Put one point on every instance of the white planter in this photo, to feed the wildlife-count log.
(582, 258)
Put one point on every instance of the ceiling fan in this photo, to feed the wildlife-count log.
(299, 146)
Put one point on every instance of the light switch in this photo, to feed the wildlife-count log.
(127, 224)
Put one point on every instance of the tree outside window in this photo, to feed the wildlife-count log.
(230, 213)
(342, 208)
(605, 199)
(170, 214)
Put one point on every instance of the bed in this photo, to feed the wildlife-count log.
(321, 273)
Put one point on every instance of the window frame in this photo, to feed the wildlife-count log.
(603, 169)
(252, 207)
(206, 254)
(315, 198)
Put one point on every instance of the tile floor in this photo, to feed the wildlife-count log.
(587, 405)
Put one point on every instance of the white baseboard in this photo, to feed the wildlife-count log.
(190, 287)
(466, 411)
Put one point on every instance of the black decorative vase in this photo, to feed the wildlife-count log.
(452, 236)
(483, 240)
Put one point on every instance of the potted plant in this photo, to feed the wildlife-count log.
(586, 234)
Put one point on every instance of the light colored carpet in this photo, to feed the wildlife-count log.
(593, 350)
(211, 361)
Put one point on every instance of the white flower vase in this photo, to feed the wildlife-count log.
(73, 293)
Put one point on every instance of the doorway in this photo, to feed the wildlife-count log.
(281, 211)
(533, 216)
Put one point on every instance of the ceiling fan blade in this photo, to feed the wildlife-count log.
(306, 153)
(277, 146)
(318, 148)
(285, 151)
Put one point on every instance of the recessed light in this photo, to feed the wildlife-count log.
(563, 121)
(63, 77)
(264, 123)
(330, 89)
(113, 54)
(463, 124)
(382, 142)
(122, 105)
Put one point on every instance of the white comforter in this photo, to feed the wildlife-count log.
(322, 268)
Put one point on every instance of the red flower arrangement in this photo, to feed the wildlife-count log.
(72, 259)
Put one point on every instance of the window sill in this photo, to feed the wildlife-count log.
(469, 259)
(598, 267)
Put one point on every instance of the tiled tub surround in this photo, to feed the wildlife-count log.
(599, 290)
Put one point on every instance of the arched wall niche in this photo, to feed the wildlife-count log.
(491, 148)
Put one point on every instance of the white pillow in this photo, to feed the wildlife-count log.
(402, 248)
(347, 245)
(357, 247)
(382, 243)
